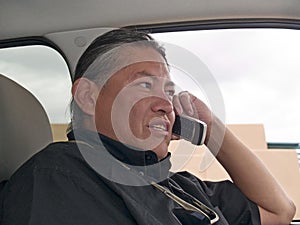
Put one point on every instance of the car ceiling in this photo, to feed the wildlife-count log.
(38, 17)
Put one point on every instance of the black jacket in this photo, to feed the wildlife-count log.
(82, 183)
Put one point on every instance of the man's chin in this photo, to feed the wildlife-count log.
(161, 150)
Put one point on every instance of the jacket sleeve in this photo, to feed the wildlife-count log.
(234, 205)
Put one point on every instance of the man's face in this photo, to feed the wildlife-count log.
(135, 105)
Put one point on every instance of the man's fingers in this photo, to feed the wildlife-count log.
(185, 102)
(177, 106)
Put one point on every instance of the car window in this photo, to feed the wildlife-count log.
(257, 71)
(42, 71)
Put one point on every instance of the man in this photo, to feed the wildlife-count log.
(115, 168)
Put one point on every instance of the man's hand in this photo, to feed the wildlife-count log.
(188, 104)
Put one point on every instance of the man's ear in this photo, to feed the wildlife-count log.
(85, 93)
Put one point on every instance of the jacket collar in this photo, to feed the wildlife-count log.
(145, 160)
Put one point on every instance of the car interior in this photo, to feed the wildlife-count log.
(67, 27)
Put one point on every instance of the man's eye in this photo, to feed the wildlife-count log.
(145, 84)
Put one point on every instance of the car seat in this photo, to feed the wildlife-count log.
(25, 127)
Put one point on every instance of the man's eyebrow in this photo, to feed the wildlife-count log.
(146, 74)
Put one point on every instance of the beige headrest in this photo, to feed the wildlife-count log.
(24, 126)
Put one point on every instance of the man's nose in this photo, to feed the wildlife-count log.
(162, 105)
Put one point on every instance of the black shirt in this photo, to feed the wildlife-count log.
(81, 182)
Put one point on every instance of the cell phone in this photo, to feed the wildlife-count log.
(190, 129)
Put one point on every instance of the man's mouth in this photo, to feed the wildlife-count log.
(159, 126)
